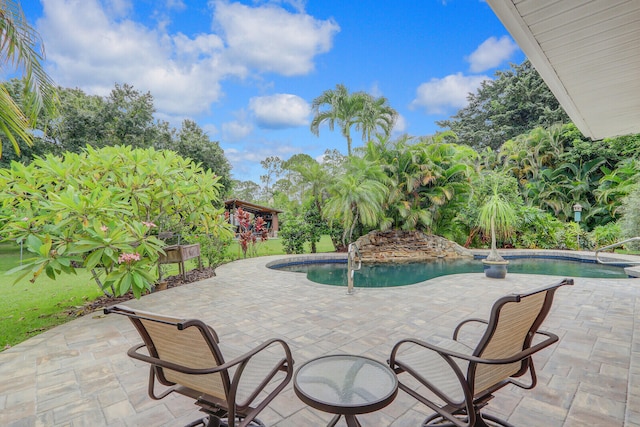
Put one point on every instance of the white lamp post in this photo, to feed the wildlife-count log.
(577, 216)
(577, 212)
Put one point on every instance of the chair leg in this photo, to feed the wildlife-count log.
(497, 420)
(216, 422)
(223, 422)
(209, 421)
(206, 422)
(437, 420)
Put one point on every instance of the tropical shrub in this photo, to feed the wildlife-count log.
(248, 232)
(103, 209)
(630, 222)
(571, 236)
(214, 246)
(605, 235)
(293, 234)
(316, 226)
(538, 229)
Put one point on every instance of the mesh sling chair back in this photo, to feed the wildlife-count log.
(187, 357)
(461, 378)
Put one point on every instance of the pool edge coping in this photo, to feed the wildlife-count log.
(632, 271)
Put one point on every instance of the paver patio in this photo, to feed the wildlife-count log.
(78, 374)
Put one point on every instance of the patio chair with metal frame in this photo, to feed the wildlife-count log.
(460, 379)
(187, 357)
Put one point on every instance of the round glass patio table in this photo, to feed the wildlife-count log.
(345, 385)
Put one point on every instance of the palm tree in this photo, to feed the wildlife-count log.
(21, 46)
(317, 178)
(616, 184)
(498, 216)
(376, 114)
(357, 197)
(342, 108)
(359, 109)
(450, 168)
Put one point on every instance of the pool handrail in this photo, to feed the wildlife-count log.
(353, 256)
(615, 245)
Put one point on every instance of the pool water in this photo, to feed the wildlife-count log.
(389, 275)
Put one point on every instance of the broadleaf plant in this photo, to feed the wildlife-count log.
(103, 210)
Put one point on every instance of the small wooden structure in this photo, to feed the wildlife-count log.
(270, 215)
(179, 254)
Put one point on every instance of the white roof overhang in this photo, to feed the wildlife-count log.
(588, 53)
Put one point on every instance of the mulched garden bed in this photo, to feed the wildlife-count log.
(172, 282)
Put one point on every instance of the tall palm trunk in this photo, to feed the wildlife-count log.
(346, 238)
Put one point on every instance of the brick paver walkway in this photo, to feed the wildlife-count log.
(78, 374)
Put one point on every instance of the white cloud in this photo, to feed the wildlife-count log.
(375, 90)
(210, 129)
(93, 45)
(440, 95)
(236, 130)
(280, 111)
(271, 39)
(246, 159)
(491, 53)
(260, 150)
(90, 51)
(118, 8)
(175, 4)
(400, 125)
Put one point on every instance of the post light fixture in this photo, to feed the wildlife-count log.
(577, 212)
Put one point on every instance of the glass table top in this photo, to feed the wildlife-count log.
(346, 381)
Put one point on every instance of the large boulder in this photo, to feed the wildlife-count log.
(407, 246)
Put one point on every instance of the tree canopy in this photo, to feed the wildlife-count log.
(358, 110)
(517, 101)
(124, 117)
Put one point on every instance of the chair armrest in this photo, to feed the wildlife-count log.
(456, 331)
(246, 356)
(285, 364)
(133, 353)
(445, 392)
(445, 353)
(450, 356)
(551, 338)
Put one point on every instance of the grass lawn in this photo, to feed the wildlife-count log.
(274, 247)
(27, 309)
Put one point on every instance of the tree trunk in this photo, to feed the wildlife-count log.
(470, 237)
(494, 255)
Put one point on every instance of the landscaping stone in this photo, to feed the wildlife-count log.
(407, 246)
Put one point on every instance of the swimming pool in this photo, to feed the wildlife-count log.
(334, 271)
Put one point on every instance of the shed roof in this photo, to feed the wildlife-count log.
(249, 207)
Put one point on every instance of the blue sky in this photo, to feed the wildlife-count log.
(246, 71)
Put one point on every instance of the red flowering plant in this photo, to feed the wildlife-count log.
(248, 232)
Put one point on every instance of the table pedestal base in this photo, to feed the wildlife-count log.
(351, 420)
